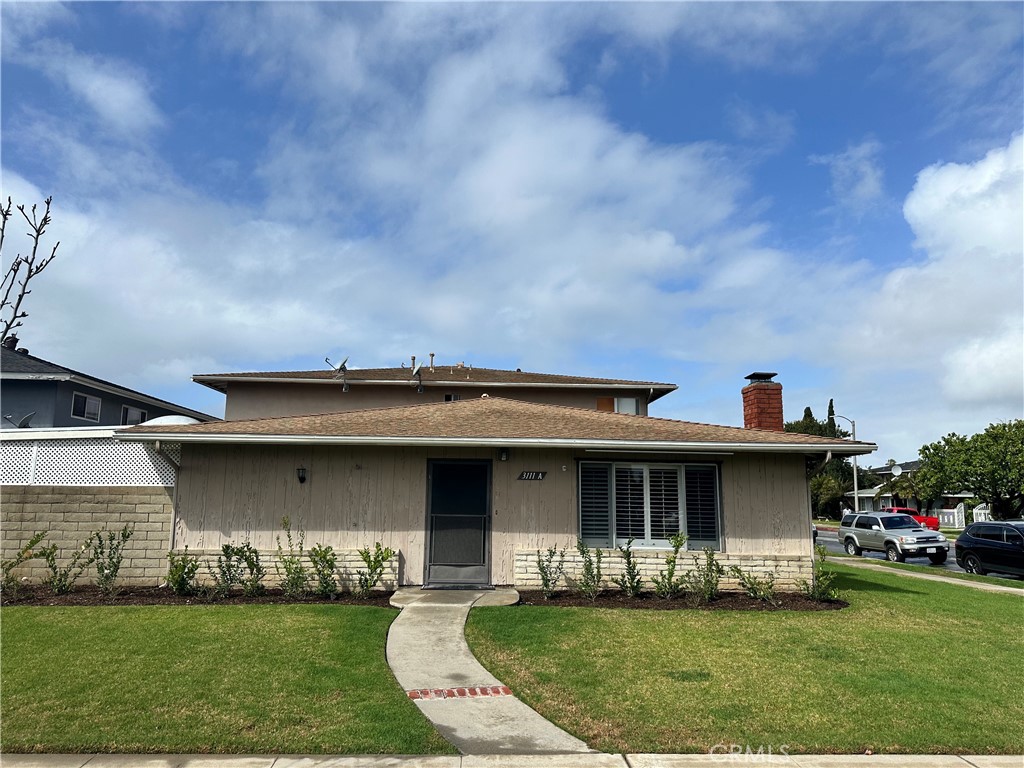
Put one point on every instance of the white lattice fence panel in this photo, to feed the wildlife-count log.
(16, 463)
(93, 461)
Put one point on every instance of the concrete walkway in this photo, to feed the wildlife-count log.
(591, 760)
(983, 586)
(470, 707)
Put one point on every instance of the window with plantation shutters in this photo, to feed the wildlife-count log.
(630, 517)
(664, 502)
(596, 504)
(702, 505)
(649, 503)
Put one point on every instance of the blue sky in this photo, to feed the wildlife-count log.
(676, 192)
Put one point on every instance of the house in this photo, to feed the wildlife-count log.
(295, 393)
(37, 393)
(882, 496)
(468, 473)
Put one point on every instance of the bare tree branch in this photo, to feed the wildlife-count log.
(11, 313)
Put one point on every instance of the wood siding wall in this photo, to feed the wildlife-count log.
(263, 400)
(355, 496)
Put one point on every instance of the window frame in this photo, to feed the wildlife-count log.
(618, 401)
(144, 415)
(649, 542)
(85, 410)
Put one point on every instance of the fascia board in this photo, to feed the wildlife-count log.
(501, 442)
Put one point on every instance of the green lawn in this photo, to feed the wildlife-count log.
(263, 678)
(911, 667)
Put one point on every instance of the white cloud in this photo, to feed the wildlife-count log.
(857, 176)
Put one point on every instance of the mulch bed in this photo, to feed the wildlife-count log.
(726, 601)
(89, 595)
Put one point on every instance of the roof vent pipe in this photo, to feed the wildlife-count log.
(431, 362)
(414, 361)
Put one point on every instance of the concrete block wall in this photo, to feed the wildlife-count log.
(347, 565)
(789, 570)
(70, 514)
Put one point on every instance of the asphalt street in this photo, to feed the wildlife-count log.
(828, 540)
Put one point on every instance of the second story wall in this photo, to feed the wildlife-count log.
(264, 400)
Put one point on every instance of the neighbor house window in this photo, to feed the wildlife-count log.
(629, 405)
(619, 405)
(450, 398)
(131, 415)
(85, 407)
(649, 503)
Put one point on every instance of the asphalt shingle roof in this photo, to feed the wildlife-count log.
(488, 418)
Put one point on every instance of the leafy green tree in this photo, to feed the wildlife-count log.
(989, 465)
(830, 483)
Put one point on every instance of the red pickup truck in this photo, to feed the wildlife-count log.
(927, 521)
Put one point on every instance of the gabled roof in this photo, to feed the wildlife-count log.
(438, 375)
(25, 367)
(495, 421)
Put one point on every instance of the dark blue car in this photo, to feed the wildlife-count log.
(992, 547)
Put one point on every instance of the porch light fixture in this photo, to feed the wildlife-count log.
(301, 473)
(503, 454)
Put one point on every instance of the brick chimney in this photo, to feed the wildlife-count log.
(762, 402)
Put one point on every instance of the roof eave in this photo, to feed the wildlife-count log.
(674, 446)
(219, 383)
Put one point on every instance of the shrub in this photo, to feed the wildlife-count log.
(108, 554)
(294, 574)
(370, 577)
(181, 574)
(549, 571)
(228, 572)
(9, 583)
(589, 581)
(758, 588)
(667, 584)
(820, 587)
(255, 571)
(324, 567)
(629, 581)
(62, 580)
(701, 584)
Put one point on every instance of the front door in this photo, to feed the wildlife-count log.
(459, 512)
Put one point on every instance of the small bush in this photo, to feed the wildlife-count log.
(629, 581)
(762, 589)
(324, 568)
(62, 580)
(181, 574)
(9, 584)
(550, 571)
(589, 581)
(228, 572)
(108, 554)
(668, 585)
(375, 561)
(820, 587)
(289, 566)
(252, 578)
(701, 584)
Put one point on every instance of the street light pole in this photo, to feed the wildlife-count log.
(856, 496)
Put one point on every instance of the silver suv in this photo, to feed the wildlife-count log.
(899, 536)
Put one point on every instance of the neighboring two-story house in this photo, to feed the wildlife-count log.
(467, 473)
(35, 393)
